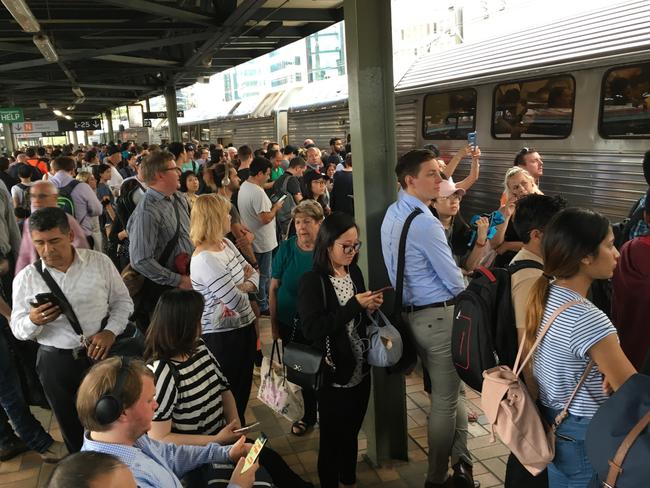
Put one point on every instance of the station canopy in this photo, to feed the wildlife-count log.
(100, 54)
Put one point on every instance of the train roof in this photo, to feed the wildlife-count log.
(603, 36)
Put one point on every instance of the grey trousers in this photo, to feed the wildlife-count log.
(447, 429)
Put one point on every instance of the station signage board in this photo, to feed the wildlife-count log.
(35, 126)
(9, 115)
(162, 114)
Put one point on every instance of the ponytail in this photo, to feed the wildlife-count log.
(535, 310)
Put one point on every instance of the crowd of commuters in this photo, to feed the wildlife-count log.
(195, 244)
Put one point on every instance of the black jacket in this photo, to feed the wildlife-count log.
(318, 321)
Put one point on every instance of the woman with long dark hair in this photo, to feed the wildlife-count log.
(195, 404)
(578, 247)
(332, 305)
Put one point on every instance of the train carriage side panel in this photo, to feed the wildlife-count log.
(253, 131)
(318, 123)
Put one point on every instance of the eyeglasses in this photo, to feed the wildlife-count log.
(350, 248)
(41, 196)
(175, 168)
(452, 197)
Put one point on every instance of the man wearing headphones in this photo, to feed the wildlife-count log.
(116, 403)
(97, 296)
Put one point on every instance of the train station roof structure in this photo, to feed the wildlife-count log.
(100, 54)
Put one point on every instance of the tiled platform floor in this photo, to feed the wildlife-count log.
(301, 453)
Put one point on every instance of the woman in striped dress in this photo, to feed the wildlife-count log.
(221, 274)
(578, 247)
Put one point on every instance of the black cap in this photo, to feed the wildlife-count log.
(310, 176)
(289, 149)
(112, 150)
(190, 147)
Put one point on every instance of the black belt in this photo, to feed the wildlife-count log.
(415, 308)
(75, 353)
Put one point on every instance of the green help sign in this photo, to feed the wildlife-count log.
(11, 114)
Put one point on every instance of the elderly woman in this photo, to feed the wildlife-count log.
(517, 183)
(293, 259)
(98, 239)
(221, 274)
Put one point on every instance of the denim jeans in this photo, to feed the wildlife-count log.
(264, 260)
(13, 403)
(571, 467)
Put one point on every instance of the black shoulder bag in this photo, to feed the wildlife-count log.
(305, 365)
(409, 358)
(128, 343)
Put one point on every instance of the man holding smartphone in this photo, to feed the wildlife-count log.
(96, 294)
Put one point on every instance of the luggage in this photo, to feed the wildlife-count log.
(512, 411)
(484, 332)
(618, 437)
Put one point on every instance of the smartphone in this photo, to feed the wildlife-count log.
(381, 290)
(253, 454)
(43, 298)
(246, 428)
(277, 198)
(471, 139)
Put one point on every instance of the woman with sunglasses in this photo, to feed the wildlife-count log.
(332, 305)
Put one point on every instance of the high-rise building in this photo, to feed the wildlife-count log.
(326, 53)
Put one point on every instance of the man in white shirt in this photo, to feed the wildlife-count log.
(96, 293)
(258, 214)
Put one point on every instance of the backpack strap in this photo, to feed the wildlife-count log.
(616, 464)
(524, 264)
(401, 260)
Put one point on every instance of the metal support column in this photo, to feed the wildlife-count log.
(86, 140)
(75, 138)
(172, 121)
(109, 124)
(369, 53)
(9, 138)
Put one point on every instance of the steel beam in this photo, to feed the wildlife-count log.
(162, 10)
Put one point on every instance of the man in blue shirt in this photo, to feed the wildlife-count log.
(153, 464)
(431, 282)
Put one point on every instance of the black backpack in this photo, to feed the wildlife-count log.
(484, 332)
(623, 229)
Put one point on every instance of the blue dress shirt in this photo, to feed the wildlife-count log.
(430, 272)
(159, 464)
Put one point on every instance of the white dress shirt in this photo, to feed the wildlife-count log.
(94, 289)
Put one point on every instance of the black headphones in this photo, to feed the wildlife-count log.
(109, 407)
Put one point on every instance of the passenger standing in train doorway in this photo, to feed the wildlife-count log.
(432, 280)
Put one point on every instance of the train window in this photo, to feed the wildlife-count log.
(449, 115)
(625, 102)
(534, 109)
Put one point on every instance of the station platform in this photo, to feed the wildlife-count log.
(301, 453)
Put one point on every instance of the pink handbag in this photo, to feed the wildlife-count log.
(513, 413)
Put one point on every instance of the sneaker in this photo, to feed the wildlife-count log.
(12, 448)
(54, 453)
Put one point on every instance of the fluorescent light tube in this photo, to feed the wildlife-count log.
(23, 15)
(46, 48)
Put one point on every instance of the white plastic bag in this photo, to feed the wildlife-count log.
(276, 392)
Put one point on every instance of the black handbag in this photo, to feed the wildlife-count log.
(305, 365)
(128, 343)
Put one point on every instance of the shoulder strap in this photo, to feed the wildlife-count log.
(66, 308)
(401, 259)
(174, 240)
(616, 464)
(524, 264)
(174, 370)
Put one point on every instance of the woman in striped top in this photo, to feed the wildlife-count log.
(221, 274)
(578, 247)
(195, 404)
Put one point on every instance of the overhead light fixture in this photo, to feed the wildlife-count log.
(79, 100)
(67, 117)
(70, 107)
(78, 91)
(203, 79)
(23, 15)
(42, 104)
(57, 112)
(46, 48)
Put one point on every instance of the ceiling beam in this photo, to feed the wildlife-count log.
(162, 10)
(120, 58)
(299, 14)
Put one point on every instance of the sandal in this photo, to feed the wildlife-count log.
(472, 416)
(299, 428)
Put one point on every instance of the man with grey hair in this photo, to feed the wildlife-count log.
(314, 161)
(159, 234)
(42, 195)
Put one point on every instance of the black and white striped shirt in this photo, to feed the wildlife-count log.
(562, 356)
(191, 396)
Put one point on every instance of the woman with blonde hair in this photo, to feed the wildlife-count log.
(578, 247)
(98, 240)
(517, 184)
(221, 274)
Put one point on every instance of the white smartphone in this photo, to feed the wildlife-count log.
(246, 428)
(253, 454)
